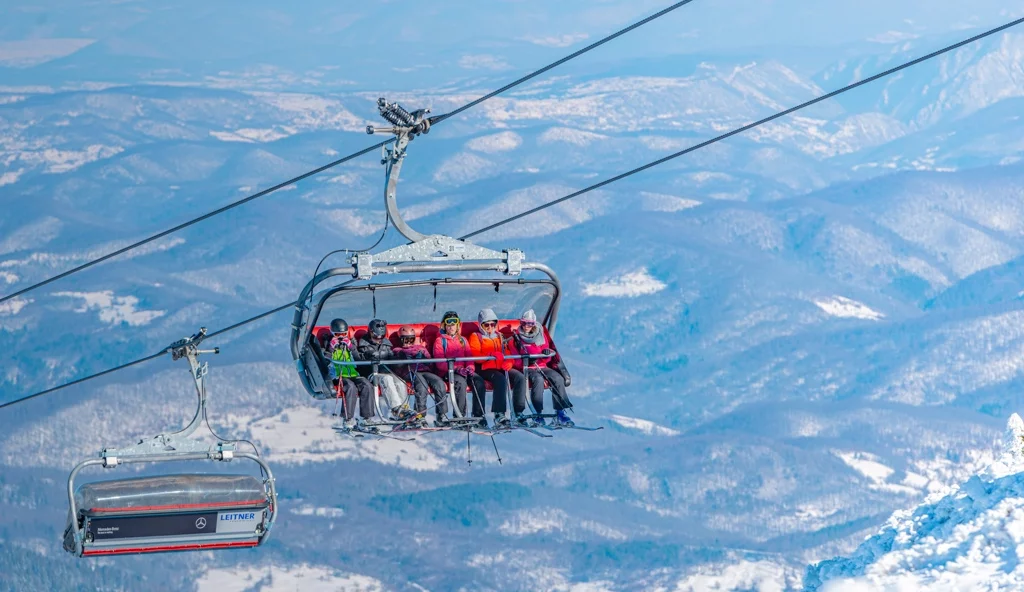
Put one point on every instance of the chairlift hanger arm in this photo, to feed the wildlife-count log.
(406, 126)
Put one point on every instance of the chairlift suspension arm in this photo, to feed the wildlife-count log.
(406, 127)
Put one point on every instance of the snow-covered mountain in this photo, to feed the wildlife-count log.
(968, 538)
(786, 336)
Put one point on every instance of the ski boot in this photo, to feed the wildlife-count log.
(442, 422)
(401, 413)
(501, 421)
(563, 420)
(523, 421)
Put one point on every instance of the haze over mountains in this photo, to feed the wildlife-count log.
(787, 336)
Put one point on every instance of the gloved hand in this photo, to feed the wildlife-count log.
(375, 356)
(420, 355)
(500, 358)
(547, 351)
(568, 380)
(463, 371)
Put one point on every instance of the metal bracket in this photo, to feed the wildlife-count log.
(434, 249)
(515, 259)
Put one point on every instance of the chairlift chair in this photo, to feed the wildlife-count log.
(172, 512)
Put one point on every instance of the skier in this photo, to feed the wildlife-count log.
(451, 344)
(354, 386)
(374, 347)
(499, 372)
(529, 340)
(421, 378)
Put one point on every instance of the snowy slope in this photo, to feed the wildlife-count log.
(965, 539)
(786, 336)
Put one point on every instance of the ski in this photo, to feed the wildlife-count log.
(359, 432)
(532, 431)
(348, 432)
(554, 427)
(392, 437)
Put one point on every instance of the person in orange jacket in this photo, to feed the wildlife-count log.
(487, 341)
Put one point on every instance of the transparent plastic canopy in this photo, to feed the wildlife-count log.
(426, 301)
(169, 491)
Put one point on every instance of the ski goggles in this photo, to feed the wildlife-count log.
(451, 321)
(408, 339)
(491, 324)
(527, 325)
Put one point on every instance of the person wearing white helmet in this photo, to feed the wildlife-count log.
(530, 340)
(488, 342)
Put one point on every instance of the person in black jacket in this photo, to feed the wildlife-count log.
(375, 346)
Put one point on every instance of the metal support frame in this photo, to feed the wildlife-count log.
(179, 442)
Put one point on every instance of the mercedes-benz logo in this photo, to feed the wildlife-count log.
(201, 523)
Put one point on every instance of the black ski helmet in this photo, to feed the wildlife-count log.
(451, 314)
(378, 328)
(339, 326)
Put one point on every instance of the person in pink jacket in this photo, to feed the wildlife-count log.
(529, 340)
(451, 344)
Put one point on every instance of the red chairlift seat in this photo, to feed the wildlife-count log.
(427, 334)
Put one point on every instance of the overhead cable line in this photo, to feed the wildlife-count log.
(211, 335)
(81, 380)
(262, 315)
(316, 171)
(535, 73)
(747, 127)
(185, 225)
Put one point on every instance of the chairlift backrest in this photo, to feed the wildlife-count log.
(427, 333)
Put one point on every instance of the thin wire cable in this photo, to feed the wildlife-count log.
(227, 329)
(81, 380)
(185, 225)
(335, 163)
(747, 127)
(576, 54)
(206, 418)
(834, 93)
(383, 233)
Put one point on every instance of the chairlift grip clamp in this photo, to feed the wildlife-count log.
(514, 259)
(363, 262)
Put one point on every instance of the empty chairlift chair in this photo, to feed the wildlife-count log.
(173, 512)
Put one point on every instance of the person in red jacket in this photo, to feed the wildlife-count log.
(529, 340)
(451, 344)
(487, 341)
